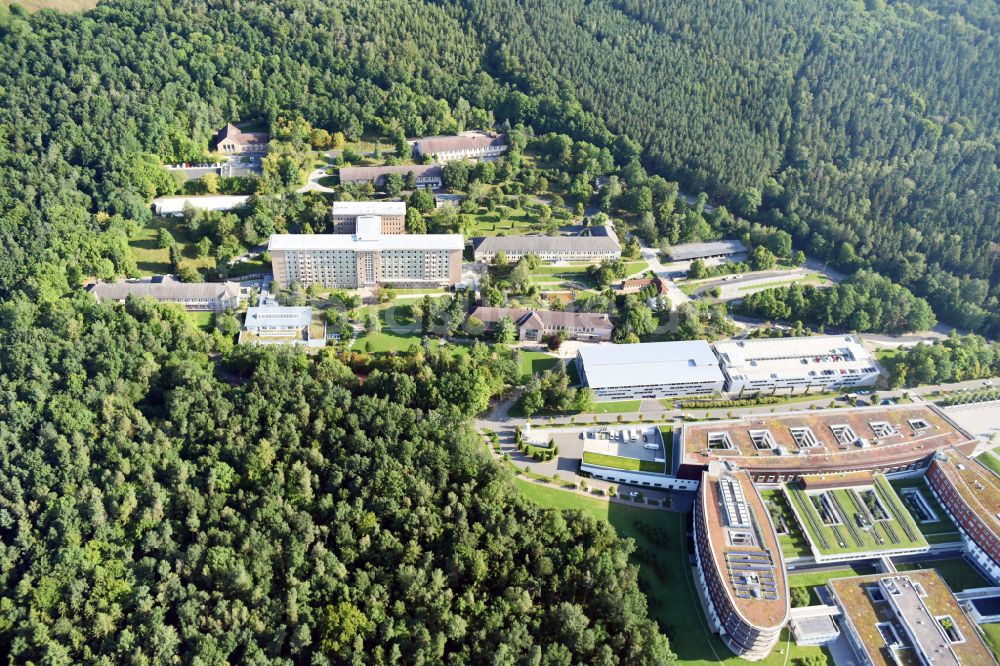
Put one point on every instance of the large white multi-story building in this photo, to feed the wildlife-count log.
(366, 258)
(650, 370)
(391, 216)
(795, 365)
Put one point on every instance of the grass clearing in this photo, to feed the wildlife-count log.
(991, 634)
(812, 580)
(203, 320)
(620, 462)
(65, 6)
(154, 260)
(665, 577)
(386, 341)
(990, 460)
(959, 574)
(535, 363)
(667, 434)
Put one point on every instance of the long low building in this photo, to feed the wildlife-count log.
(650, 370)
(388, 216)
(592, 249)
(425, 175)
(707, 250)
(468, 145)
(780, 448)
(741, 575)
(175, 206)
(214, 296)
(970, 494)
(795, 365)
(367, 258)
(906, 618)
(535, 325)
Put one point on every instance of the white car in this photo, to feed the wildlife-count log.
(651, 447)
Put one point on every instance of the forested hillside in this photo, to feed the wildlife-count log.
(868, 130)
(161, 506)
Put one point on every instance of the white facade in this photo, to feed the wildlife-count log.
(795, 365)
(354, 261)
(650, 370)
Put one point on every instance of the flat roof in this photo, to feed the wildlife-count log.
(915, 608)
(354, 174)
(687, 251)
(649, 363)
(832, 356)
(978, 487)
(275, 315)
(354, 208)
(174, 205)
(751, 567)
(525, 244)
(352, 242)
(903, 439)
(625, 449)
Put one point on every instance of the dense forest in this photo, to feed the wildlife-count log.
(163, 505)
(869, 131)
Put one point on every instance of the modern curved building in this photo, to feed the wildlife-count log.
(741, 575)
(970, 493)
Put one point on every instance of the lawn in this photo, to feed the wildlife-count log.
(619, 462)
(816, 579)
(665, 577)
(535, 363)
(153, 260)
(667, 434)
(203, 320)
(385, 341)
(506, 221)
(68, 6)
(942, 530)
(898, 531)
(959, 574)
(991, 634)
(990, 460)
(794, 543)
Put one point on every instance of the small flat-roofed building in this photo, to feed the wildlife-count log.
(367, 258)
(273, 324)
(741, 576)
(795, 365)
(707, 250)
(910, 618)
(231, 140)
(633, 456)
(535, 325)
(782, 447)
(468, 145)
(175, 205)
(391, 215)
(425, 175)
(970, 494)
(215, 296)
(650, 370)
(593, 248)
